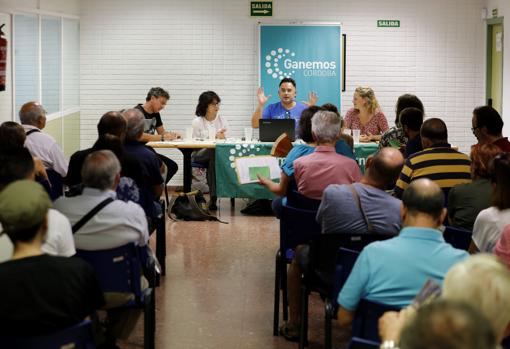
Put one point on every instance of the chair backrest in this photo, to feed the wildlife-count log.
(54, 186)
(360, 343)
(344, 263)
(118, 269)
(298, 200)
(323, 257)
(297, 226)
(366, 319)
(458, 237)
(76, 337)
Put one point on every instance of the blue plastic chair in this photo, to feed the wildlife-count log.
(458, 237)
(119, 270)
(360, 343)
(321, 277)
(344, 264)
(366, 320)
(79, 336)
(297, 226)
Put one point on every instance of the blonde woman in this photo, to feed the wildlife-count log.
(366, 115)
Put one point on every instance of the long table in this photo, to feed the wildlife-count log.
(227, 184)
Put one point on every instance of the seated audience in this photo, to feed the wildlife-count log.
(297, 151)
(488, 127)
(349, 141)
(340, 212)
(490, 222)
(448, 325)
(438, 161)
(480, 281)
(395, 136)
(465, 201)
(502, 249)
(111, 131)
(411, 120)
(151, 163)
(365, 206)
(208, 118)
(116, 224)
(40, 294)
(33, 119)
(314, 172)
(366, 115)
(12, 135)
(393, 271)
(17, 164)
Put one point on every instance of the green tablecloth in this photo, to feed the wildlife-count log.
(226, 176)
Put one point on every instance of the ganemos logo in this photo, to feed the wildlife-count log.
(281, 63)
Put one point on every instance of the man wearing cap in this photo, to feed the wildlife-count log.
(40, 294)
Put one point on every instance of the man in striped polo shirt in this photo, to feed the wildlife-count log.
(438, 161)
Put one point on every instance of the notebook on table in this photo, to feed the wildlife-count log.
(271, 129)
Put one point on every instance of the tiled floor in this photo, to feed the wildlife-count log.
(218, 291)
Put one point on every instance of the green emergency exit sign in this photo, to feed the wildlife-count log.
(261, 9)
(388, 23)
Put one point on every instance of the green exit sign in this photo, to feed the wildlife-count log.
(388, 23)
(261, 8)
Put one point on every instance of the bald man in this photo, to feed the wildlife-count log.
(381, 209)
(393, 271)
(33, 119)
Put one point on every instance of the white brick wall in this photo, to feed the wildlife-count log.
(128, 46)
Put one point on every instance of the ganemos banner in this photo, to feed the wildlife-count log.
(310, 54)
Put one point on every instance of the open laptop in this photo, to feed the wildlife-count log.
(271, 129)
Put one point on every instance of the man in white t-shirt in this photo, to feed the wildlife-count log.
(18, 164)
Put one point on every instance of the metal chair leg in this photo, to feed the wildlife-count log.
(277, 280)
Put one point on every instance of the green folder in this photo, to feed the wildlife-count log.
(262, 170)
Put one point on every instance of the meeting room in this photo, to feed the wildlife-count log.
(254, 174)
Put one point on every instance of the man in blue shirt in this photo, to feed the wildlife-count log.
(286, 108)
(393, 271)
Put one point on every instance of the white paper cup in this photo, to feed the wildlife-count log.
(355, 135)
(189, 134)
(248, 134)
(212, 134)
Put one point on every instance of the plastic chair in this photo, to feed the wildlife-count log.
(366, 319)
(360, 343)
(344, 263)
(321, 273)
(161, 238)
(79, 336)
(458, 237)
(119, 270)
(297, 226)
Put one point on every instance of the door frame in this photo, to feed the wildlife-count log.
(488, 71)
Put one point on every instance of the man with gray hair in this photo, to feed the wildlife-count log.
(147, 157)
(323, 167)
(114, 225)
(41, 145)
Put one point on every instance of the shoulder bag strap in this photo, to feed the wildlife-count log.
(32, 131)
(358, 201)
(91, 214)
